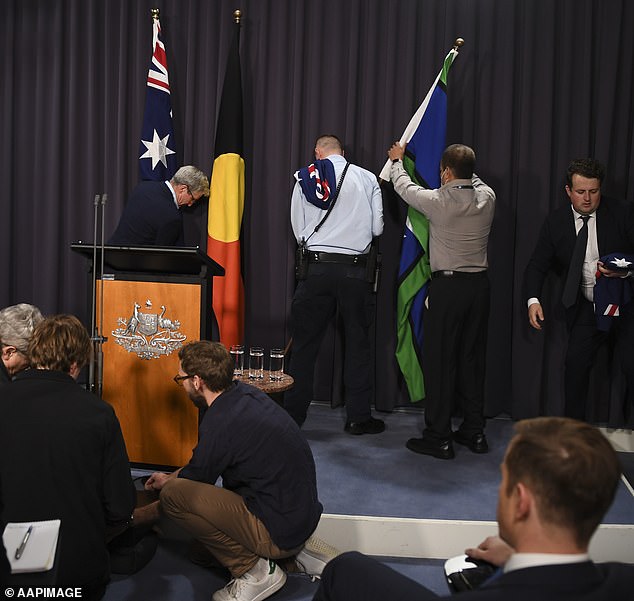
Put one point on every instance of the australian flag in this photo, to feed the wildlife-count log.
(157, 150)
(613, 297)
(316, 181)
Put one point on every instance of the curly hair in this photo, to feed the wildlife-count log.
(58, 342)
(589, 168)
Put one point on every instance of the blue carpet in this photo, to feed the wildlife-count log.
(378, 476)
(171, 577)
(363, 475)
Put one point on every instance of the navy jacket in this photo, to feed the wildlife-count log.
(356, 577)
(263, 456)
(615, 233)
(150, 218)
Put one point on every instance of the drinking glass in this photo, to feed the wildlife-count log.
(276, 368)
(237, 354)
(256, 363)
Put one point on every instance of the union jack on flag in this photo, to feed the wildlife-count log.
(157, 154)
(322, 187)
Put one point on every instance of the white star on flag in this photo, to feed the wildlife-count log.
(157, 150)
(622, 263)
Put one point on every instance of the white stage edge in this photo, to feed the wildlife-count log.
(441, 539)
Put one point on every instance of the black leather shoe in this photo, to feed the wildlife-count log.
(424, 446)
(477, 443)
(369, 426)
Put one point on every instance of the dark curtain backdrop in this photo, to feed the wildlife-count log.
(537, 83)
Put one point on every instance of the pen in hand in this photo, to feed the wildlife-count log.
(20, 549)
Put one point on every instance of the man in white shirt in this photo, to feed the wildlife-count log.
(337, 278)
(610, 229)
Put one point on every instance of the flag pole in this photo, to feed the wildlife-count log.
(384, 175)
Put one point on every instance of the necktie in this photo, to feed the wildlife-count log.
(576, 263)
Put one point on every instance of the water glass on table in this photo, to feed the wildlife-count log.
(276, 367)
(237, 354)
(256, 363)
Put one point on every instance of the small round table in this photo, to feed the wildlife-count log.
(265, 384)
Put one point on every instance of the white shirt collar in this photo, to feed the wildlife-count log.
(518, 561)
(171, 189)
(577, 214)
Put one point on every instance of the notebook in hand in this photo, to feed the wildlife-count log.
(34, 552)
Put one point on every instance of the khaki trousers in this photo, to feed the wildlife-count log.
(221, 522)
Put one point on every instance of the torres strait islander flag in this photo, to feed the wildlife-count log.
(226, 202)
(425, 139)
(157, 154)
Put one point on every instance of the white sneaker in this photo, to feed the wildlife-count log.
(312, 559)
(248, 588)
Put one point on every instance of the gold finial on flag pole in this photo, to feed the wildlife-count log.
(237, 15)
(459, 43)
(155, 13)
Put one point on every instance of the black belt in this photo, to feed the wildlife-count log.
(319, 257)
(448, 273)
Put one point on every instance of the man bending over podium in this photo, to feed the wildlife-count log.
(152, 214)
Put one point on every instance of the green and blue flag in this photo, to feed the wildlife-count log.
(425, 139)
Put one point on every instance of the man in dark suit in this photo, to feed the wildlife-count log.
(559, 477)
(62, 456)
(152, 214)
(610, 229)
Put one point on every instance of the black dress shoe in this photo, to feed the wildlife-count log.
(369, 426)
(424, 446)
(477, 443)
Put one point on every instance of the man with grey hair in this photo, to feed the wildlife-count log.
(16, 327)
(152, 215)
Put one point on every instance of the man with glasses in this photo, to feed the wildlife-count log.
(152, 215)
(267, 507)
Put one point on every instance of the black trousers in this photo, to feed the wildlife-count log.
(328, 287)
(584, 342)
(355, 577)
(455, 327)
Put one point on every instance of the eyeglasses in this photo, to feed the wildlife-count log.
(179, 379)
(190, 193)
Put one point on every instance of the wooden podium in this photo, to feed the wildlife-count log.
(154, 300)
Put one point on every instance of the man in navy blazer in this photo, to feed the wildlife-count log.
(559, 477)
(610, 226)
(152, 214)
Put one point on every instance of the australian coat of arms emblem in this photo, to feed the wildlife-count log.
(149, 335)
